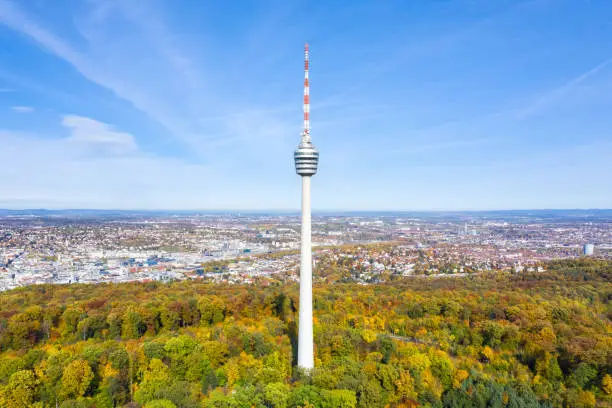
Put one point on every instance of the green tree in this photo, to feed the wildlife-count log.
(179, 347)
(304, 394)
(76, 379)
(160, 403)
(274, 369)
(156, 374)
(370, 395)
(77, 403)
(25, 328)
(157, 383)
(216, 352)
(581, 399)
(276, 395)
(133, 325)
(217, 399)
(548, 367)
(154, 349)
(441, 367)
(71, 318)
(212, 310)
(20, 390)
(339, 399)
(247, 396)
(582, 375)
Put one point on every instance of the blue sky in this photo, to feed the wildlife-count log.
(416, 105)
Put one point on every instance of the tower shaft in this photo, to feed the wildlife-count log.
(305, 336)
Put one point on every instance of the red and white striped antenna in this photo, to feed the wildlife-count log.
(306, 134)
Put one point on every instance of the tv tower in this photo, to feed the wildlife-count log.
(306, 160)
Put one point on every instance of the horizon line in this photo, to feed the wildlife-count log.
(297, 210)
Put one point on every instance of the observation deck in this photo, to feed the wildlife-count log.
(306, 159)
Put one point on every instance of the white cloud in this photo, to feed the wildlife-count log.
(90, 134)
(97, 166)
(23, 109)
(39, 173)
(55, 173)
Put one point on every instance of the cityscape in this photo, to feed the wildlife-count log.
(63, 247)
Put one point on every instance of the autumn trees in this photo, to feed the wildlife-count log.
(525, 340)
(20, 391)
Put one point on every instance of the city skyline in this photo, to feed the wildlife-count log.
(455, 106)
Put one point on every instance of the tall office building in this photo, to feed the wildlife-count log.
(306, 160)
(588, 249)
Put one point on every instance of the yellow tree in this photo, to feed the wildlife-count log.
(20, 390)
(606, 384)
(76, 379)
(155, 378)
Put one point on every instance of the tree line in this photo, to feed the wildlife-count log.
(495, 340)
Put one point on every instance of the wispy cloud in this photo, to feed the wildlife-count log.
(410, 50)
(551, 97)
(22, 109)
(155, 71)
(97, 136)
(98, 65)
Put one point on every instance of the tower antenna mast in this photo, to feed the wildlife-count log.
(306, 133)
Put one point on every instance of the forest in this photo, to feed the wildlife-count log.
(492, 340)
